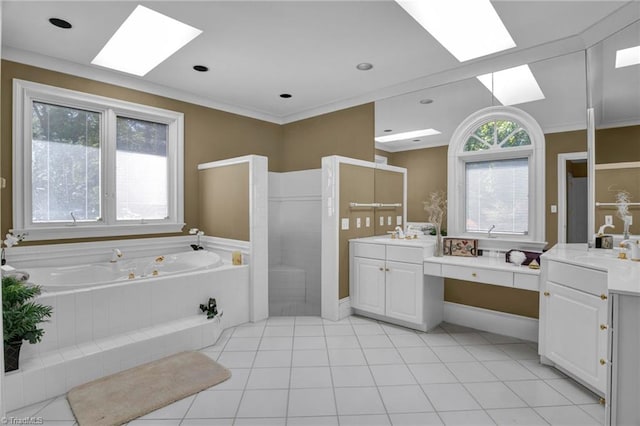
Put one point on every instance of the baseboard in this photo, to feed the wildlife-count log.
(517, 326)
(344, 308)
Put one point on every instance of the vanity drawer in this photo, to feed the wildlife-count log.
(405, 254)
(373, 251)
(434, 269)
(478, 275)
(584, 279)
(526, 281)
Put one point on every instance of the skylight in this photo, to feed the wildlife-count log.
(628, 57)
(513, 86)
(144, 40)
(407, 135)
(468, 29)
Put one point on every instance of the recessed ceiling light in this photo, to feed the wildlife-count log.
(628, 57)
(60, 23)
(513, 85)
(144, 40)
(468, 29)
(285, 95)
(201, 68)
(387, 130)
(416, 140)
(364, 66)
(407, 135)
(426, 101)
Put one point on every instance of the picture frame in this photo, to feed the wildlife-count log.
(460, 247)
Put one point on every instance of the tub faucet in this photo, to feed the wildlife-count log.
(198, 233)
(115, 255)
(489, 232)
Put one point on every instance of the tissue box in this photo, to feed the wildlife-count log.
(604, 242)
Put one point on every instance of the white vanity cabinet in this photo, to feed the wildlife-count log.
(573, 328)
(387, 283)
(624, 384)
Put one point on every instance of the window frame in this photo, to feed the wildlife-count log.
(24, 94)
(456, 176)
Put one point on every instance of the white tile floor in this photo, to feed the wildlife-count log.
(307, 371)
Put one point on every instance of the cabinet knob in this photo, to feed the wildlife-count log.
(602, 361)
(602, 401)
(603, 296)
(546, 293)
(603, 326)
(386, 269)
(381, 268)
(473, 274)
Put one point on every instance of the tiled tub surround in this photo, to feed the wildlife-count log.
(102, 330)
(309, 371)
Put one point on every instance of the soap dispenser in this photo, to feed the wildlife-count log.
(604, 241)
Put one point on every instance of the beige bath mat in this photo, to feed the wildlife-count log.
(122, 397)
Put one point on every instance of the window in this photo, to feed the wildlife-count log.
(496, 176)
(87, 166)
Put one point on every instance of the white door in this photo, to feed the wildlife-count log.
(367, 291)
(574, 339)
(405, 291)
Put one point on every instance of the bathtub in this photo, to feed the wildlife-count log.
(63, 278)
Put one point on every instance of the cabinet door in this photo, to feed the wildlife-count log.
(368, 285)
(405, 290)
(574, 339)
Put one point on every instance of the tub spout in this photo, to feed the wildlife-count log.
(115, 255)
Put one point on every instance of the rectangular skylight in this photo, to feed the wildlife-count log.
(513, 86)
(628, 57)
(407, 135)
(468, 29)
(144, 40)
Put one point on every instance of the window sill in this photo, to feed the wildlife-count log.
(97, 231)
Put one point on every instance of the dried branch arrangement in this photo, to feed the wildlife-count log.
(436, 207)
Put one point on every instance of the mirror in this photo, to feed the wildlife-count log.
(561, 114)
(615, 96)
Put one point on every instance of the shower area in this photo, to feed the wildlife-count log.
(295, 200)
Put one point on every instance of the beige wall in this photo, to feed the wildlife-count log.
(224, 201)
(557, 143)
(209, 134)
(427, 172)
(617, 145)
(348, 132)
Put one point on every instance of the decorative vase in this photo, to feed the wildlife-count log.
(438, 250)
(12, 355)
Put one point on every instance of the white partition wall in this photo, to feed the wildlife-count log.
(258, 235)
(294, 243)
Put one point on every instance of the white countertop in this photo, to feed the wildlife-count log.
(623, 276)
(421, 241)
(485, 262)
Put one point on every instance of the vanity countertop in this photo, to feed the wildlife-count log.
(623, 276)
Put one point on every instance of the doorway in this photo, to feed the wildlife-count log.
(573, 198)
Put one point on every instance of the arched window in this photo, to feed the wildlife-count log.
(496, 176)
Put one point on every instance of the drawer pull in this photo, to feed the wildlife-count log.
(387, 269)
(381, 268)
(602, 361)
(603, 296)
(603, 327)
(546, 293)
(473, 274)
(602, 401)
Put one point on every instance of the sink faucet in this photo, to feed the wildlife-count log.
(634, 247)
(489, 232)
(115, 255)
(399, 231)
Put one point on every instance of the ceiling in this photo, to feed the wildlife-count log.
(256, 50)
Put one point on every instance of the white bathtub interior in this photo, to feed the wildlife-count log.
(295, 199)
